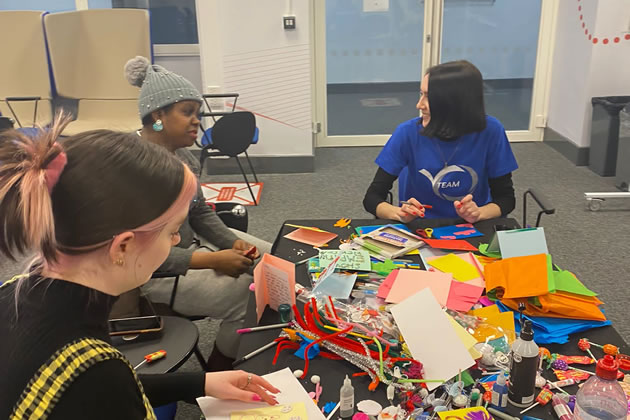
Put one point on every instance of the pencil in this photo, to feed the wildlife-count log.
(261, 328)
(254, 353)
(306, 227)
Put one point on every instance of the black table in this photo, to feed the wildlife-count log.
(332, 372)
(178, 338)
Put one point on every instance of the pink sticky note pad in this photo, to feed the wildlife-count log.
(274, 283)
(386, 286)
(409, 282)
(310, 237)
(463, 296)
(457, 244)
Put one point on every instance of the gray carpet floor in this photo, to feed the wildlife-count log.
(593, 245)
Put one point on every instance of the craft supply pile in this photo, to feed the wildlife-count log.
(464, 338)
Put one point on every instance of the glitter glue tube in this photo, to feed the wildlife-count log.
(561, 408)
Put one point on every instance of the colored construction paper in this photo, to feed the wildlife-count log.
(362, 230)
(561, 305)
(409, 282)
(349, 259)
(292, 392)
(310, 237)
(483, 248)
(463, 296)
(427, 253)
(471, 413)
(492, 315)
(555, 330)
(461, 270)
(567, 282)
(274, 282)
(469, 258)
(386, 286)
(430, 337)
(458, 244)
(461, 231)
(519, 242)
(519, 276)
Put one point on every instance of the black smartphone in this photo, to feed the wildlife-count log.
(137, 325)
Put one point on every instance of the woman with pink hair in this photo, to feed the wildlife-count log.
(103, 211)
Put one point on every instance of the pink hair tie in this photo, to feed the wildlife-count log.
(54, 170)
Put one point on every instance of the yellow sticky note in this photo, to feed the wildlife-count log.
(462, 270)
(468, 340)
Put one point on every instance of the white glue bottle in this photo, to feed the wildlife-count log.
(346, 399)
(523, 368)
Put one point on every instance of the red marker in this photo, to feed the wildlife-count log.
(251, 252)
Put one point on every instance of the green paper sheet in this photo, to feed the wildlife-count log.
(350, 259)
(483, 248)
(551, 282)
(567, 282)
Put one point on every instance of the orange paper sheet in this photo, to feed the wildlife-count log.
(518, 276)
(274, 281)
(562, 305)
(410, 282)
(493, 316)
(310, 237)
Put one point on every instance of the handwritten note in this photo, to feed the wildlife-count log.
(274, 281)
(348, 259)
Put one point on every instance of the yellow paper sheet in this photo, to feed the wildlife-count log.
(278, 412)
(468, 340)
(462, 270)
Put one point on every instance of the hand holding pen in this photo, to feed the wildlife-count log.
(411, 207)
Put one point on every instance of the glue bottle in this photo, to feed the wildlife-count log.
(523, 368)
(346, 399)
(499, 393)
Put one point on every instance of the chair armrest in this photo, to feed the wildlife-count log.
(220, 95)
(22, 98)
(542, 201)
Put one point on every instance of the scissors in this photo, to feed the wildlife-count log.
(425, 233)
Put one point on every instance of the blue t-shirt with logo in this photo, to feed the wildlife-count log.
(419, 163)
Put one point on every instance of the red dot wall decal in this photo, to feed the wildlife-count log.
(595, 40)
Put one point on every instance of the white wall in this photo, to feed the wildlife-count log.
(582, 69)
(244, 49)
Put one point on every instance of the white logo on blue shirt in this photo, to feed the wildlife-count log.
(441, 187)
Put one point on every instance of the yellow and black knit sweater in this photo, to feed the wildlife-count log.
(56, 361)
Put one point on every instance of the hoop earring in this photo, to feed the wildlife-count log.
(158, 126)
(119, 262)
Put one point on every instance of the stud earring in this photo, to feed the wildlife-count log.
(119, 262)
(158, 126)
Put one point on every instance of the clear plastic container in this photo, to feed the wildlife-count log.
(601, 397)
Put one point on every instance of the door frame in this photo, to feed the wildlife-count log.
(432, 46)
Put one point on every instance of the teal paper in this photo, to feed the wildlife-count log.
(520, 242)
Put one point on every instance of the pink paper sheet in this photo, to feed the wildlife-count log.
(386, 286)
(310, 237)
(274, 282)
(463, 296)
(409, 282)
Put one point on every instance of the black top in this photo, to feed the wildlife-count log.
(501, 190)
(52, 313)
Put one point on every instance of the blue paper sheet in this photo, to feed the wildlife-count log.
(362, 230)
(554, 330)
(461, 231)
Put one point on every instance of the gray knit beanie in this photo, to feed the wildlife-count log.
(158, 86)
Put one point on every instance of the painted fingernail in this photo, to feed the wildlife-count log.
(459, 206)
(256, 397)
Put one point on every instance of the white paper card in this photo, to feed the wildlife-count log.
(431, 338)
(291, 389)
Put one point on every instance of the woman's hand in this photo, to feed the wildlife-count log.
(239, 385)
(467, 209)
(409, 211)
(241, 245)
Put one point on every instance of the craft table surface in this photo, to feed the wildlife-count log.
(332, 372)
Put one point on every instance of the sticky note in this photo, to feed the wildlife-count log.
(461, 270)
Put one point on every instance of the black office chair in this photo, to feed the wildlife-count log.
(541, 200)
(6, 123)
(231, 135)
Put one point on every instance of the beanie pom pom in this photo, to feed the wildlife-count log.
(136, 70)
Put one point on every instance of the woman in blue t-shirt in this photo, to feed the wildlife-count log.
(454, 161)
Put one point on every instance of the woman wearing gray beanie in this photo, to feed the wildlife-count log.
(213, 283)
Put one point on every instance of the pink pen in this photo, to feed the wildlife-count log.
(561, 408)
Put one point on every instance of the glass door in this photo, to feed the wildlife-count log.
(371, 54)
